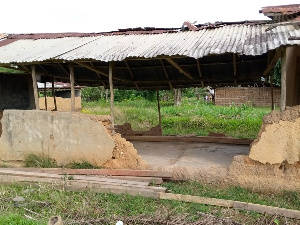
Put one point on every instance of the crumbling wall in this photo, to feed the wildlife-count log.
(279, 138)
(124, 154)
(254, 175)
(63, 136)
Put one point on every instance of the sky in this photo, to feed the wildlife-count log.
(45, 16)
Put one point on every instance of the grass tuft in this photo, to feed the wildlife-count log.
(39, 161)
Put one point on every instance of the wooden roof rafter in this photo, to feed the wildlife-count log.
(93, 68)
(179, 68)
(131, 74)
(166, 73)
(200, 72)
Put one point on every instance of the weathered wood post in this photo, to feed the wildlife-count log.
(35, 88)
(111, 73)
(72, 87)
(283, 80)
(45, 94)
(272, 92)
(53, 94)
(158, 107)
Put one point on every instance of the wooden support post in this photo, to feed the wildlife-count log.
(158, 107)
(53, 94)
(200, 72)
(35, 88)
(272, 92)
(234, 68)
(111, 73)
(45, 94)
(283, 81)
(72, 87)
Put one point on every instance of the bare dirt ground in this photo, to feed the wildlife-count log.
(196, 161)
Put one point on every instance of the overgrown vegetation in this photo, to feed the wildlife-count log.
(9, 70)
(45, 200)
(193, 116)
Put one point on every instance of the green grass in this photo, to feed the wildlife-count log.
(14, 219)
(285, 199)
(191, 117)
(45, 200)
(43, 161)
(8, 70)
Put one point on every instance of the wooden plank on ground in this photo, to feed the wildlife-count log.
(81, 186)
(152, 180)
(74, 177)
(103, 182)
(116, 190)
(197, 199)
(224, 140)
(19, 178)
(103, 172)
(267, 209)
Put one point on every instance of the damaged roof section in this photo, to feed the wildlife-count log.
(282, 13)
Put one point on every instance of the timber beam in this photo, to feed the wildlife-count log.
(166, 73)
(92, 68)
(177, 66)
(131, 74)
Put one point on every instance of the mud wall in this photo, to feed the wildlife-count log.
(279, 138)
(62, 136)
(293, 76)
(254, 175)
(257, 96)
(16, 91)
(63, 104)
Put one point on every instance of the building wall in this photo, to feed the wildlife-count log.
(256, 96)
(16, 92)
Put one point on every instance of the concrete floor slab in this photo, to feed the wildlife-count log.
(190, 160)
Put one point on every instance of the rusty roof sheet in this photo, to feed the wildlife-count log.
(2, 36)
(282, 13)
(243, 39)
(281, 9)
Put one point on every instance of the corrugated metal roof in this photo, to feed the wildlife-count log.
(242, 39)
(22, 51)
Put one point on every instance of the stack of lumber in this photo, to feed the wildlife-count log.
(132, 182)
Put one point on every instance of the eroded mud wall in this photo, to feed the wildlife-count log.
(62, 136)
(16, 91)
(279, 138)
